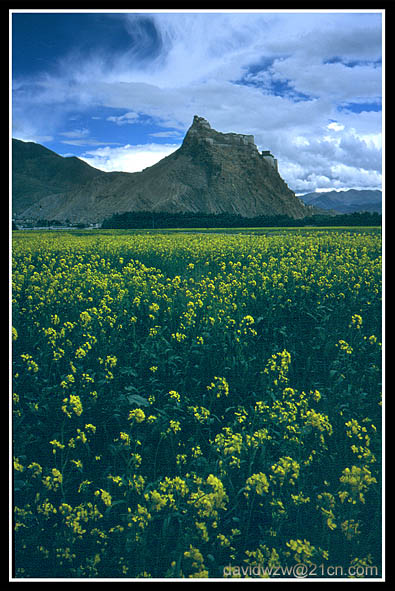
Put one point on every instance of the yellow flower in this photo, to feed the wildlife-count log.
(286, 467)
(46, 508)
(223, 540)
(174, 426)
(175, 395)
(196, 557)
(350, 528)
(219, 386)
(202, 529)
(31, 365)
(357, 480)
(53, 482)
(105, 496)
(72, 404)
(17, 465)
(257, 482)
(85, 318)
(77, 463)
(178, 336)
(356, 321)
(303, 550)
(56, 445)
(248, 320)
(84, 485)
(344, 346)
(196, 451)
(35, 468)
(318, 421)
(137, 415)
(125, 438)
(201, 413)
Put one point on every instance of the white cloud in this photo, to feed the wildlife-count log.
(337, 81)
(129, 117)
(335, 126)
(128, 158)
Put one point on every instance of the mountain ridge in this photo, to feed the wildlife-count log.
(349, 201)
(211, 172)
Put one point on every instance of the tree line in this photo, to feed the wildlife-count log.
(156, 220)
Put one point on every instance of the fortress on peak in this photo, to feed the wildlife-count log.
(202, 132)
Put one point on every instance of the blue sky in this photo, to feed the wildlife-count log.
(120, 90)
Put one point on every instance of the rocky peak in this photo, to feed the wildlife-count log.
(201, 132)
(200, 122)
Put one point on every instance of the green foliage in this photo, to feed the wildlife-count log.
(182, 403)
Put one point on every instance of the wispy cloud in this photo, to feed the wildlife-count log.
(89, 142)
(173, 134)
(81, 137)
(75, 133)
(127, 118)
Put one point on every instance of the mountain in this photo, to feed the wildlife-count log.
(38, 172)
(345, 201)
(211, 172)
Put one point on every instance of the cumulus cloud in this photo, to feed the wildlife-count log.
(127, 158)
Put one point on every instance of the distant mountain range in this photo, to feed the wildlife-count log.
(211, 172)
(345, 201)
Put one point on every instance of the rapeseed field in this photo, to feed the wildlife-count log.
(187, 403)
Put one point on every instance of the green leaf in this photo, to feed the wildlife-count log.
(137, 399)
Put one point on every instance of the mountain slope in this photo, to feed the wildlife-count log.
(211, 172)
(37, 171)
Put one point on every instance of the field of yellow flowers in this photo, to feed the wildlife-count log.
(187, 403)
